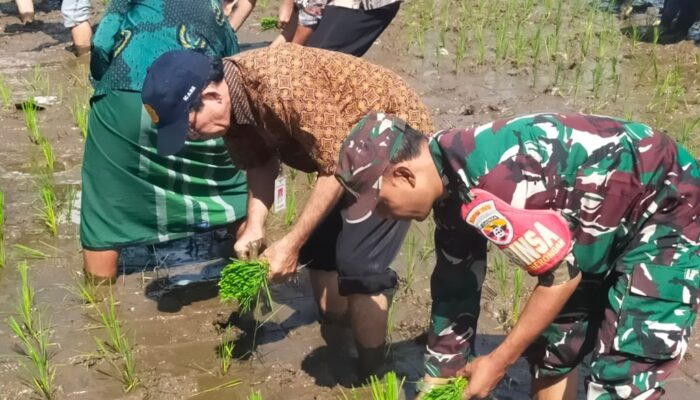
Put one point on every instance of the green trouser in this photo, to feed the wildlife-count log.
(130, 195)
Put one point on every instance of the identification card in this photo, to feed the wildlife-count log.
(280, 194)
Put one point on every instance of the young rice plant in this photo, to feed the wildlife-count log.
(242, 281)
(454, 390)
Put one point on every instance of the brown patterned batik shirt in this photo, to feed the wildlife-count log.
(300, 103)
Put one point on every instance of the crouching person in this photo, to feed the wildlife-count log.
(603, 211)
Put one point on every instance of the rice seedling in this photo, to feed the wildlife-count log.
(2, 229)
(481, 43)
(410, 257)
(117, 344)
(387, 389)
(47, 151)
(226, 347)
(268, 23)
(461, 46)
(429, 242)
(687, 128)
(80, 111)
(26, 252)
(587, 36)
(38, 82)
(5, 93)
(453, 390)
(69, 199)
(501, 40)
(310, 179)
(29, 110)
(255, 396)
(518, 283)
(670, 92)
(597, 78)
(290, 212)
(84, 289)
(500, 268)
(519, 45)
(35, 347)
(536, 47)
(227, 385)
(25, 303)
(47, 212)
(242, 281)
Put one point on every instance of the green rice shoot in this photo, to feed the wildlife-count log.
(267, 23)
(26, 252)
(80, 110)
(5, 93)
(2, 229)
(454, 390)
(29, 110)
(255, 396)
(242, 281)
(387, 389)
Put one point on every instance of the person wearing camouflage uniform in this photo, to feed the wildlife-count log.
(631, 199)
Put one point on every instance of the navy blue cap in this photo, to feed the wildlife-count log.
(173, 83)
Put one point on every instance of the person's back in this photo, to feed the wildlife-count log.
(132, 34)
(131, 196)
(608, 177)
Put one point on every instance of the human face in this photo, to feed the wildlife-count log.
(408, 191)
(212, 120)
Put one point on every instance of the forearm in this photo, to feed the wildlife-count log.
(242, 11)
(541, 309)
(261, 190)
(324, 195)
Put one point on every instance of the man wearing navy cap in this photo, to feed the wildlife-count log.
(295, 105)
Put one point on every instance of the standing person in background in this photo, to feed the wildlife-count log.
(131, 195)
(352, 26)
(238, 11)
(677, 18)
(298, 19)
(26, 10)
(76, 15)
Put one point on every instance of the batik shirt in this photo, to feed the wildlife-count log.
(132, 34)
(606, 176)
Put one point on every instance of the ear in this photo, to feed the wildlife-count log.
(211, 92)
(403, 174)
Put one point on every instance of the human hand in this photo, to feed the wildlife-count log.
(249, 244)
(483, 374)
(282, 259)
(284, 13)
(314, 9)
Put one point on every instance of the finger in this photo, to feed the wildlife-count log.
(242, 253)
(466, 371)
(254, 249)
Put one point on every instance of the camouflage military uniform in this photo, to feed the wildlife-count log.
(631, 197)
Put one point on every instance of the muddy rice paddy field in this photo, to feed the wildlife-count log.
(162, 333)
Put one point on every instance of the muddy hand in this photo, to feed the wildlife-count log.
(483, 374)
(282, 259)
(248, 250)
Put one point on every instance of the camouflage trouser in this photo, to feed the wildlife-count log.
(635, 320)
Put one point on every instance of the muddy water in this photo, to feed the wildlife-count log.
(175, 325)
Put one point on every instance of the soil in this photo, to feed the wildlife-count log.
(169, 302)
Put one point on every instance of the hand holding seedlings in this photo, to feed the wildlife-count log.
(282, 259)
(483, 373)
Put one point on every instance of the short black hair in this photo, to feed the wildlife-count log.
(216, 76)
(410, 146)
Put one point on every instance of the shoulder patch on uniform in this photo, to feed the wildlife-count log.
(485, 217)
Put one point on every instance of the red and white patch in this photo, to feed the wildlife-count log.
(537, 240)
(485, 217)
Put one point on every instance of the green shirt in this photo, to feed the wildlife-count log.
(133, 33)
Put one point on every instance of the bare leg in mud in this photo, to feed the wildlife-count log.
(563, 388)
(367, 316)
(82, 38)
(100, 265)
(26, 10)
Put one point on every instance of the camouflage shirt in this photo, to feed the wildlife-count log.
(606, 176)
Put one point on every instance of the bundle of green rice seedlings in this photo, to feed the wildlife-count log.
(242, 281)
(453, 390)
(267, 23)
